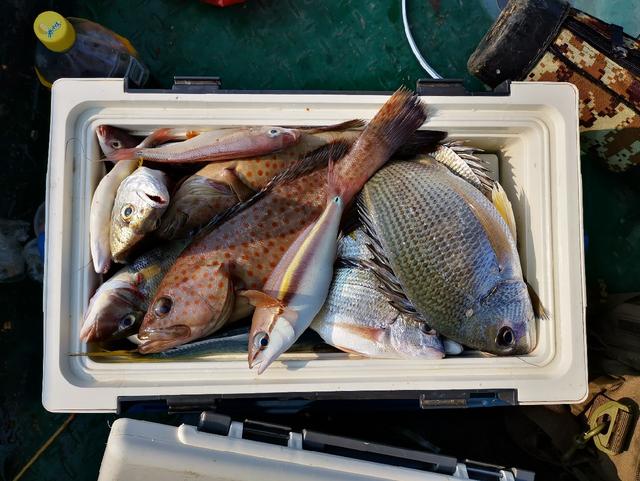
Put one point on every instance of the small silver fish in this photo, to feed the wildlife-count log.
(101, 208)
(118, 306)
(357, 318)
(141, 200)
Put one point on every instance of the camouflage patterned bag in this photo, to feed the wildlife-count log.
(547, 40)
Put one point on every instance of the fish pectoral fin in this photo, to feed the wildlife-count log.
(239, 188)
(261, 300)
(538, 309)
(503, 205)
(374, 334)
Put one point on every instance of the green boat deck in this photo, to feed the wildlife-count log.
(264, 44)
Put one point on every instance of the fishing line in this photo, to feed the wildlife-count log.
(414, 48)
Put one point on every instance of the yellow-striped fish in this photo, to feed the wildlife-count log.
(298, 286)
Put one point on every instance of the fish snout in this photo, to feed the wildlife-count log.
(158, 339)
(266, 347)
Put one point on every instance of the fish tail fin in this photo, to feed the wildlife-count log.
(124, 154)
(421, 142)
(396, 121)
(392, 126)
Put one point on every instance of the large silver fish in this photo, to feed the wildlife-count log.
(357, 318)
(118, 306)
(442, 243)
(141, 200)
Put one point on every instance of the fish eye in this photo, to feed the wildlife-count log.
(505, 337)
(162, 306)
(426, 328)
(116, 144)
(336, 199)
(273, 132)
(127, 321)
(261, 340)
(127, 211)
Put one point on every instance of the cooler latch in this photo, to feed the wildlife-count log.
(266, 432)
(196, 85)
(468, 398)
(455, 87)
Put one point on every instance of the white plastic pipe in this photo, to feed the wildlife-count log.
(414, 48)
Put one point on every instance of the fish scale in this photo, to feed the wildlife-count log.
(429, 225)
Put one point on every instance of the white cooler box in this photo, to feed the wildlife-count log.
(223, 450)
(533, 129)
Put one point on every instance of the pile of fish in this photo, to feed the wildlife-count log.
(378, 236)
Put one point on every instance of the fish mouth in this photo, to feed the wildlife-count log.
(158, 339)
(155, 199)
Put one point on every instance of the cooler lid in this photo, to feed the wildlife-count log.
(220, 449)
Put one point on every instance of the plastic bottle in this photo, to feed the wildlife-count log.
(75, 47)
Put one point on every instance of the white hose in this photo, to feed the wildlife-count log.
(414, 48)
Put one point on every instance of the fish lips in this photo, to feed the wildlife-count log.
(158, 339)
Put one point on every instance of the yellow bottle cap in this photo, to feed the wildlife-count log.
(54, 31)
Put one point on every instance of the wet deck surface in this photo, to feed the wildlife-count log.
(291, 44)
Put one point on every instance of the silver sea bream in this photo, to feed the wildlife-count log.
(452, 254)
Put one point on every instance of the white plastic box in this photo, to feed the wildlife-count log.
(533, 130)
(140, 450)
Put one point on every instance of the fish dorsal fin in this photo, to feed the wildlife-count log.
(310, 162)
(261, 300)
(462, 161)
(380, 266)
(501, 203)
